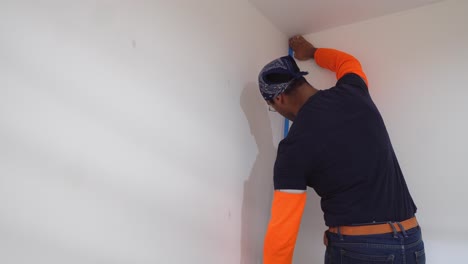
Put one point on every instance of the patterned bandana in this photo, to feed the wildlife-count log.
(284, 66)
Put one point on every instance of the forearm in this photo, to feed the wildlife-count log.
(339, 62)
(280, 239)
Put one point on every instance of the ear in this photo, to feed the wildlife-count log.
(280, 99)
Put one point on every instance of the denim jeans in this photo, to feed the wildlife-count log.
(398, 248)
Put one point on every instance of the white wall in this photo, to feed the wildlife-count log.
(133, 132)
(417, 64)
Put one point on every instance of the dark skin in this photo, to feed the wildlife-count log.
(288, 105)
(303, 50)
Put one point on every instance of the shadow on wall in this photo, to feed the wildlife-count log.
(258, 188)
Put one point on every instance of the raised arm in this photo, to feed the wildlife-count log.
(337, 61)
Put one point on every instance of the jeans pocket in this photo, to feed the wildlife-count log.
(348, 257)
(420, 257)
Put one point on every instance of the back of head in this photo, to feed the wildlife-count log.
(280, 76)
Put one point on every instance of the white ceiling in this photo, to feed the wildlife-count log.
(309, 16)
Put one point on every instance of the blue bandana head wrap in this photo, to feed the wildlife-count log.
(286, 69)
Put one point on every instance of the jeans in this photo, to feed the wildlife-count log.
(398, 247)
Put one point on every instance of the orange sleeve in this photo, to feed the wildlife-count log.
(280, 239)
(339, 62)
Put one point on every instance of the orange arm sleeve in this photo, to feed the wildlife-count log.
(280, 239)
(339, 62)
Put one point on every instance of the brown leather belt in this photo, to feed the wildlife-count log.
(374, 229)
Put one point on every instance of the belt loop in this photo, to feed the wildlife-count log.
(339, 233)
(402, 229)
(394, 230)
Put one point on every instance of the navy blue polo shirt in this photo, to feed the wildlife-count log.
(339, 146)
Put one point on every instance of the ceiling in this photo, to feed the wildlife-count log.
(309, 16)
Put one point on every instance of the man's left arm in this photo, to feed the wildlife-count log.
(286, 214)
(337, 61)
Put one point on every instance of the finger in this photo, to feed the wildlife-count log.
(292, 42)
(296, 38)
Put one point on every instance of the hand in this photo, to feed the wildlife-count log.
(303, 50)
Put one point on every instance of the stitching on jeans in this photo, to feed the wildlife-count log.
(413, 244)
(370, 245)
(366, 257)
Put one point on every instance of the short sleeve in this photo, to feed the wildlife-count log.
(354, 80)
(290, 166)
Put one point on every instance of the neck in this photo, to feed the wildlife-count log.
(301, 98)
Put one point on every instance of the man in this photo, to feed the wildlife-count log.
(338, 145)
